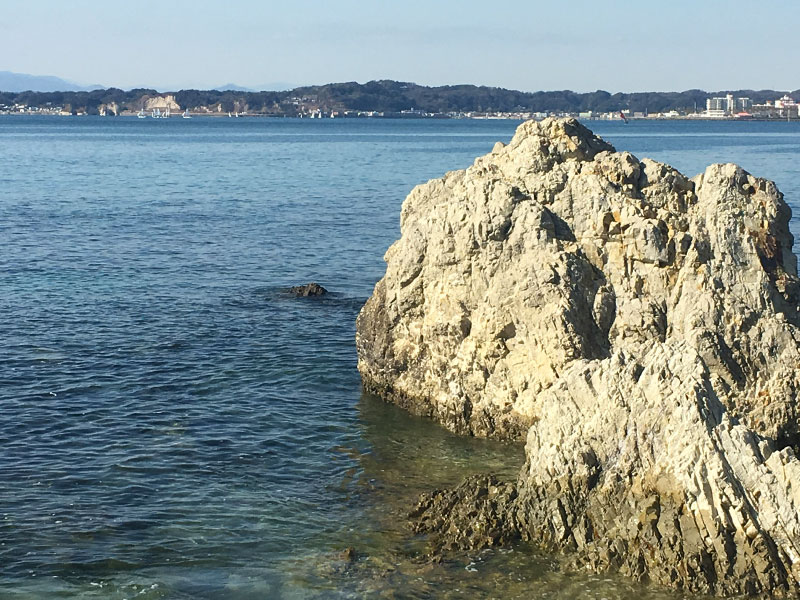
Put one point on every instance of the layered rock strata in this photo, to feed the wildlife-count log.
(638, 328)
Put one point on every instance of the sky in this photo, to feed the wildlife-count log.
(636, 45)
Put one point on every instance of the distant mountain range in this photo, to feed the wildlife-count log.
(232, 87)
(22, 82)
(276, 86)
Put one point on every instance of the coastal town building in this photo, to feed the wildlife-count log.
(720, 107)
(785, 102)
(785, 107)
(726, 106)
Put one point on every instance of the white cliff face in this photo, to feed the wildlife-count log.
(161, 103)
(639, 327)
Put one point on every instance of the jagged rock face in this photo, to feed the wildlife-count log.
(556, 249)
(655, 479)
(641, 327)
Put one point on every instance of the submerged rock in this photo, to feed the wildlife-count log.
(472, 516)
(349, 554)
(638, 328)
(309, 289)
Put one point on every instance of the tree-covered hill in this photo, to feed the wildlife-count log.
(385, 96)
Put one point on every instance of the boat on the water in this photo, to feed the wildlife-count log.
(186, 114)
(141, 114)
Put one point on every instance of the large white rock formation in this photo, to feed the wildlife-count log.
(641, 329)
(161, 103)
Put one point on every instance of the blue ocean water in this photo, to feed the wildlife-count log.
(173, 425)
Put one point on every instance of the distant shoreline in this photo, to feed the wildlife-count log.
(416, 117)
(397, 99)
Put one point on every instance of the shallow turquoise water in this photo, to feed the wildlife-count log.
(173, 425)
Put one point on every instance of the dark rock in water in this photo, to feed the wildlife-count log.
(349, 554)
(472, 516)
(309, 289)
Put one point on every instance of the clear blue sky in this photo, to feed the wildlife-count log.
(529, 45)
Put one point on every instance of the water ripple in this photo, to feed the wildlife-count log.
(174, 424)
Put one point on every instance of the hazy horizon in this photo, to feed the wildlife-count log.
(616, 46)
(232, 86)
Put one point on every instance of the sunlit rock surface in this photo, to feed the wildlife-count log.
(638, 328)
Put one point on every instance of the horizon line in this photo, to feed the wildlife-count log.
(254, 90)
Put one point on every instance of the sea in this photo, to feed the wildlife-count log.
(173, 424)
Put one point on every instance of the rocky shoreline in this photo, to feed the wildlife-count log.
(639, 329)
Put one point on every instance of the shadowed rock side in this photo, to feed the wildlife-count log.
(471, 517)
(307, 290)
(639, 326)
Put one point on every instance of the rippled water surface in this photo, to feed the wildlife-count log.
(173, 425)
